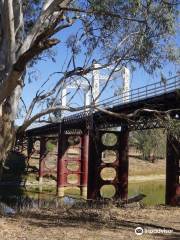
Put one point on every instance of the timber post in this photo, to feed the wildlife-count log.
(41, 160)
(29, 147)
(60, 166)
(84, 163)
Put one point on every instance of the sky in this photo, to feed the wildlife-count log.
(43, 68)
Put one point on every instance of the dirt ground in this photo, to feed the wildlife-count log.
(111, 223)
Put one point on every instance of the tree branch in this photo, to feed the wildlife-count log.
(28, 122)
(23, 104)
(39, 28)
(18, 68)
(136, 113)
(102, 13)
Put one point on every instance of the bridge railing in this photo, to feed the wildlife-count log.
(134, 95)
(155, 89)
(148, 91)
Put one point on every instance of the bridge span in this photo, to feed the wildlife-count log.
(158, 96)
(146, 109)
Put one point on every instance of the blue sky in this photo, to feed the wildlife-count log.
(46, 67)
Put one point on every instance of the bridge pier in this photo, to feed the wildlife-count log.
(84, 163)
(30, 145)
(172, 171)
(43, 152)
(123, 165)
(119, 165)
(60, 166)
(72, 162)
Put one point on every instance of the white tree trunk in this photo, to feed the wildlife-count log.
(11, 24)
(15, 52)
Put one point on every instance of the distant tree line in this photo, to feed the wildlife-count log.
(151, 143)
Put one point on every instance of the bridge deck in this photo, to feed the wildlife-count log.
(158, 96)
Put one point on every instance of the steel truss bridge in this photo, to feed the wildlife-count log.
(90, 126)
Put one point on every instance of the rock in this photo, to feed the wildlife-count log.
(133, 201)
(6, 210)
(136, 198)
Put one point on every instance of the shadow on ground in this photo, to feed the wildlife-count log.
(93, 219)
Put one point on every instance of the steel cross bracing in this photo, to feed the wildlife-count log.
(162, 96)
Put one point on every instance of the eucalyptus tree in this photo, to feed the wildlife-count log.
(118, 32)
(151, 143)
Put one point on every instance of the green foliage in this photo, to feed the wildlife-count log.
(109, 139)
(151, 143)
(31, 11)
(154, 191)
(150, 26)
(152, 22)
(50, 146)
(174, 128)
